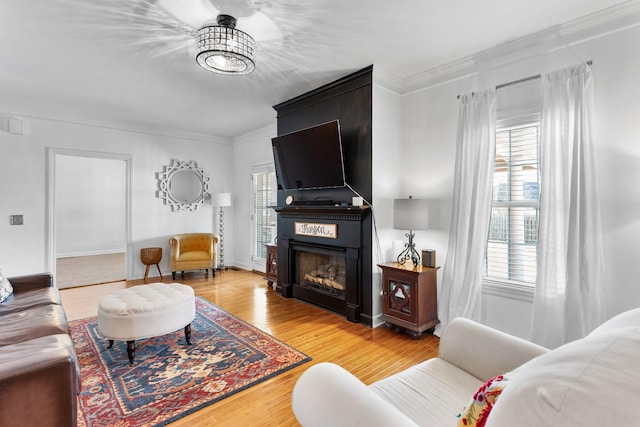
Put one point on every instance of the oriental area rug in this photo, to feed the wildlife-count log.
(170, 379)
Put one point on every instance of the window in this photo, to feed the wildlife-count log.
(513, 230)
(263, 181)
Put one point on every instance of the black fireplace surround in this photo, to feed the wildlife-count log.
(324, 269)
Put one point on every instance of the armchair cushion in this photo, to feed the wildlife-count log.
(433, 390)
(194, 256)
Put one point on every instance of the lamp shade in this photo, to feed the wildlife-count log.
(222, 199)
(410, 214)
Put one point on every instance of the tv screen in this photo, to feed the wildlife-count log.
(310, 158)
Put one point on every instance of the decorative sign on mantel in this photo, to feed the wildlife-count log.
(316, 230)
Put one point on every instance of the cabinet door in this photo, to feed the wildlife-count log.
(400, 299)
(272, 262)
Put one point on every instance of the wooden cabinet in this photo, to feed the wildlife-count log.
(272, 265)
(409, 297)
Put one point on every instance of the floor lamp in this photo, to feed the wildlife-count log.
(221, 200)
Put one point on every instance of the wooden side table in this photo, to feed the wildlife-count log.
(150, 256)
(272, 265)
(409, 297)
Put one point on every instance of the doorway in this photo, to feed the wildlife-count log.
(88, 208)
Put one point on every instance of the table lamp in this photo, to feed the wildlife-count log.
(410, 214)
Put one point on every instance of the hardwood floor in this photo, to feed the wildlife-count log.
(370, 354)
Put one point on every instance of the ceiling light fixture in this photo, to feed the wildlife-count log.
(225, 50)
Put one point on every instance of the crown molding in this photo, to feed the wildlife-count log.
(608, 21)
(262, 133)
(388, 81)
(132, 127)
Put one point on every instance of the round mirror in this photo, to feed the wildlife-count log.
(185, 186)
(182, 185)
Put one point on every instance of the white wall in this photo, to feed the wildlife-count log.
(428, 144)
(23, 183)
(90, 213)
(387, 170)
(249, 150)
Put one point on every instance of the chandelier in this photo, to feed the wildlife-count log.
(223, 49)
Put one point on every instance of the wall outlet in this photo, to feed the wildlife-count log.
(16, 219)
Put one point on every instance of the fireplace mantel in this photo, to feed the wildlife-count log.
(325, 212)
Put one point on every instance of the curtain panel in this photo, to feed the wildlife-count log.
(568, 301)
(473, 183)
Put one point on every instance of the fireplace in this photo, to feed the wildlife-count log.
(320, 257)
(320, 271)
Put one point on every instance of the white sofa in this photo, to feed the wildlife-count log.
(594, 381)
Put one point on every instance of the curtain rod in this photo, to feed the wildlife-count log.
(526, 79)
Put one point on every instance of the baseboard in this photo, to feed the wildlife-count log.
(90, 253)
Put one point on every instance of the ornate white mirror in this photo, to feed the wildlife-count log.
(182, 185)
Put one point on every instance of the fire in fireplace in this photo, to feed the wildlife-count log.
(322, 273)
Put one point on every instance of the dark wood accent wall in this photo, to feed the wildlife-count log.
(349, 100)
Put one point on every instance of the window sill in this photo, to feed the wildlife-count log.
(506, 289)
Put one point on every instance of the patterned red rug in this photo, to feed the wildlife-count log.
(170, 379)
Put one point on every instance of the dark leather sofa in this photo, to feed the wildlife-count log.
(39, 371)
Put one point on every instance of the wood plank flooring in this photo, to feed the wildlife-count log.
(370, 354)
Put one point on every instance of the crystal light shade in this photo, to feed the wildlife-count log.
(225, 50)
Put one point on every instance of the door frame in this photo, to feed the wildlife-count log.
(50, 232)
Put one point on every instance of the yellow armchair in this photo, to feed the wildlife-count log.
(193, 251)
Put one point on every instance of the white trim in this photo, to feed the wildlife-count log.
(508, 289)
(131, 127)
(378, 320)
(50, 239)
(91, 253)
(387, 81)
(600, 24)
(265, 132)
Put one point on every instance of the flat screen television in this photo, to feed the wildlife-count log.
(310, 158)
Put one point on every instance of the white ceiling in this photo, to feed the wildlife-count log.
(132, 61)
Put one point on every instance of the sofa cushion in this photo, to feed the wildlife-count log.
(430, 393)
(20, 301)
(32, 323)
(5, 288)
(594, 381)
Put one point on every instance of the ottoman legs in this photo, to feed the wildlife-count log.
(187, 333)
(131, 349)
(131, 345)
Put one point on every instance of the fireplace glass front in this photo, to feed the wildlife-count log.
(321, 272)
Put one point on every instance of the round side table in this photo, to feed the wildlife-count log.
(149, 257)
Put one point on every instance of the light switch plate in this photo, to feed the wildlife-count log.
(16, 219)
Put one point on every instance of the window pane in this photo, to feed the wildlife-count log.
(513, 230)
(264, 221)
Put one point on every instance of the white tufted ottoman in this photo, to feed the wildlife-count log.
(146, 311)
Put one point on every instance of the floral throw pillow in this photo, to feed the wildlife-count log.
(5, 288)
(478, 410)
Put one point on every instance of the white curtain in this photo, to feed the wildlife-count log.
(568, 301)
(475, 157)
